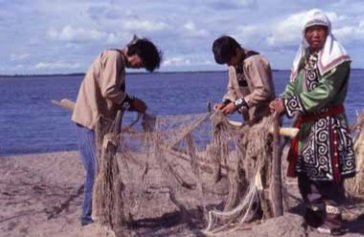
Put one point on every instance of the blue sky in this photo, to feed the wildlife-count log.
(64, 36)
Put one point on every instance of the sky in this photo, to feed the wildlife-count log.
(65, 36)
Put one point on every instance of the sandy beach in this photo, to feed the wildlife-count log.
(41, 195)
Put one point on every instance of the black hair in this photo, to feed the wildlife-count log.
(147, 51)
(224, 48)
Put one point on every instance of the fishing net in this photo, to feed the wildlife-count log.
(248, 152)
(108, 188)
(355, 186)
(185, 158)
(216, 173)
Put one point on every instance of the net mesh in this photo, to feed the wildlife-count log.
(355, 185)
(185, 158)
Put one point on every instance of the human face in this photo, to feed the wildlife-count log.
(316, 37)
(233, 61)
(236, 59)
(135, 61)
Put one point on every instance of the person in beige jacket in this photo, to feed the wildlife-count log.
(250, 88)
(101, 95)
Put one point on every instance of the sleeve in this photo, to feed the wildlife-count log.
(111, 67)
(230, 94)
(260, 75)
(289, 90)
(327, 88)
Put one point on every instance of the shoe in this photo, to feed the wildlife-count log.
(314, 217)
(333, 223)
(334, 232)
(86, 222)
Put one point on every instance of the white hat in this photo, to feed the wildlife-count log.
(316, 17)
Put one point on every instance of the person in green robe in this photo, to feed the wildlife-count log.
(322, 154)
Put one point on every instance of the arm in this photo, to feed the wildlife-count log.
(288, 91)
(290, 88)
(259, 74)
(111, 67)
(230, 94)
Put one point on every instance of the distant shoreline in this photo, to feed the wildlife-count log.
(132, 73)
(136, 73)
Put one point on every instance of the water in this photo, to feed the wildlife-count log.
(30, 123)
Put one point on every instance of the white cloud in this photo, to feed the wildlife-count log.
(69, 33)
(76, 31)
(180, 61)
(56, 65)
(350, 33)
(286, 31)
(249, 34)
(143, 25)
(18, 57)
(192, 30)
(232, 4)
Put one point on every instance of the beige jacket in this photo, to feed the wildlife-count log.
(254, 84)
(102, 89)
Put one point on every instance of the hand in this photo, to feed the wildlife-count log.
(277, 105)
(139, 105)
(218, 106)
(229, 109)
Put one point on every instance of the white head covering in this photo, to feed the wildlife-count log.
(331, 55)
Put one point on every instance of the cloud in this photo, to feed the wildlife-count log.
(191, 29)
(102, 12)
(143, 25)
(250, 34)
(234, 4)
(350, 34)
(69, 33)
(18, 57)
(180, 61)
(55, 66)
(286, 31)
(76, 31)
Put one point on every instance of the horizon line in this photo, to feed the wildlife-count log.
(162, 72)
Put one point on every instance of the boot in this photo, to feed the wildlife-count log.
(314, 215)
(333, 223)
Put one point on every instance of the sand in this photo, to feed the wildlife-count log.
(41, 195)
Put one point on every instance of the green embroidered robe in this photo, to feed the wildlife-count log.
(325, 147)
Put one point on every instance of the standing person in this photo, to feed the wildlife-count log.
(322, 154)
(101, 95)
(250, 90)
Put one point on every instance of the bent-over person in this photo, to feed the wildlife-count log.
(250, 87)
(249, 91)
(101, 94)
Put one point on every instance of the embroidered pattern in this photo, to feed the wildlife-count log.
(328, 151)
(345, 149)
(311, 72)
(315, 157)
(293, 106)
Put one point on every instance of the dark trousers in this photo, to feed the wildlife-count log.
(323, 200)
